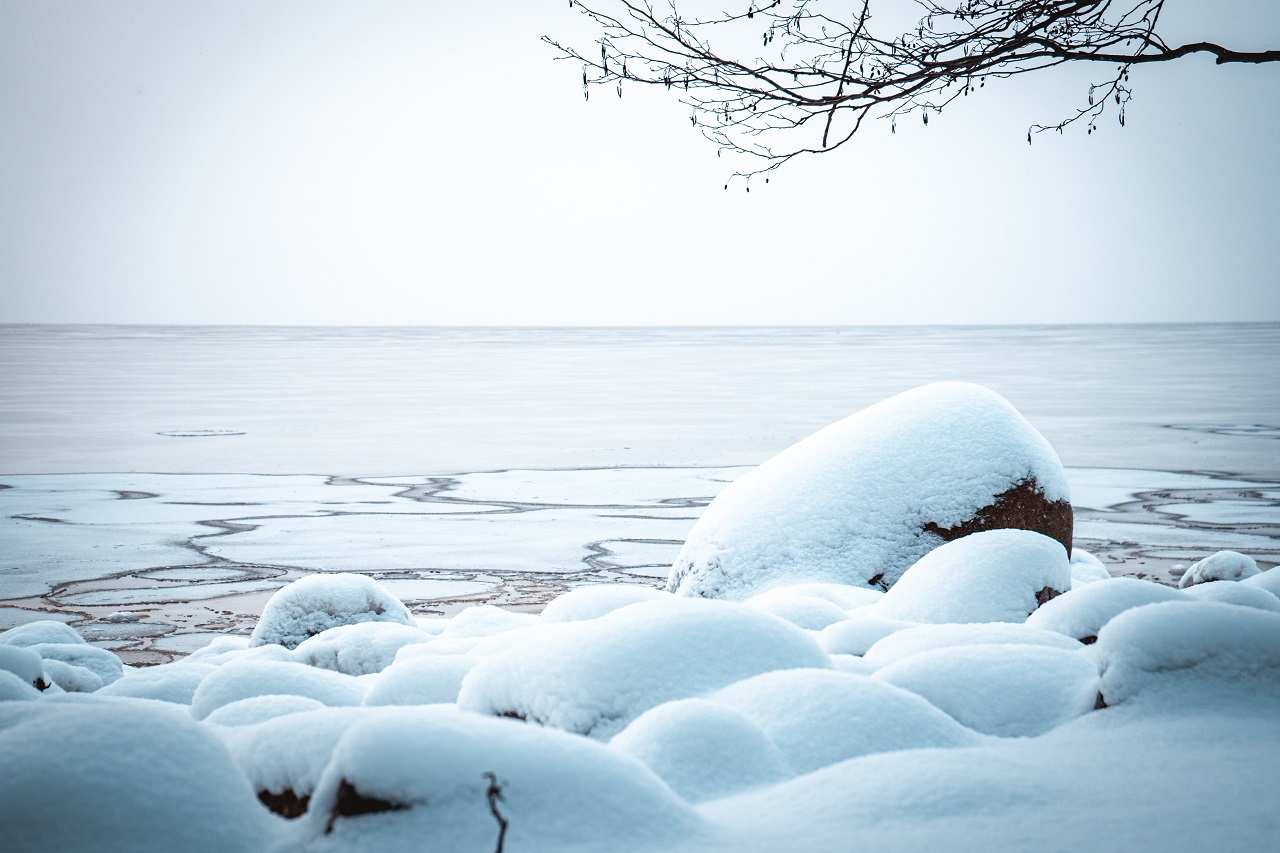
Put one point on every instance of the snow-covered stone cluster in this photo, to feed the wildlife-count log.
(998, 690)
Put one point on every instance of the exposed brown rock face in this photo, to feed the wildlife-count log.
(1023, 507)
(351, 802)
(286, 803)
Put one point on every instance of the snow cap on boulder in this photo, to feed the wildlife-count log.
(1222, 566)
(1081, 612)
(863, 499)
(993, 576)
(317, 603)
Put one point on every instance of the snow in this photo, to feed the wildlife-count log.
(857, 634)
(820, 717)
(1222, 566)
(1081, 612)
(703, 749)
(804, 611)
(589, 602)
(319, 602)
(289, 750)
(40, 632)
(486, 620)
(174, 682)
(422, 680)
(259, 709)
(1233, 592)
(1268, 580)
(72, 678)
(126, 775)
(100, 662)
(14, 687)
(849, 503)
(1001, 689)
(1086, 568)
(594, 677)
(926, 638)
(24, 663)
(992, 576)
(358, 649)
(246, 678)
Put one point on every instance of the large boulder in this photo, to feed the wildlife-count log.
(863, 499)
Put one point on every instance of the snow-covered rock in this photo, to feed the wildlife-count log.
(260, 709)
(1190, 653)
(1233, 592)
(820, 717)
(420, 680)
(100, 662)
(1081, 612)
(485, 620)
(13, 687)
(595, 677)
(123, 774)
(804, 611)
(992, 576)
(42, 631)
(590, 602)
(1222, 566)
(865, 498)
(1086, 568)
(72, 678)
(857, 634)
(702, 749)
(25, 663)
(243, 679)
(171, 682)
(456, 781)
(926, 638)
(1001, 689)
(1268, 580)
(316, 603)
(359, 649)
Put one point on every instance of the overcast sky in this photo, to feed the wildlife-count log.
(422, 162)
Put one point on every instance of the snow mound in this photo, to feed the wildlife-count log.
(124, 775)
(286, 755)
(316, 603)
(244, 679)
(1268, 580)
(1081, 612)
(926, 638)
(702, 749)
(485, 620)
(993, 576)
(590, 602)
(842, 595)
(1233, 592)
(857, 634)
(72, 678)
(1086, 568)
(43, 631)
(14, 687)
(359, 649)
(420, 680)
(171, 682)
(25, 663)
(819, 717)
(1190, 653)
(595, 677)
(456, 781)
(861, 500)
(218, 652)
(100, 662)
(1000, 689)
(259, 709)
(804, 611)
(1222, 566)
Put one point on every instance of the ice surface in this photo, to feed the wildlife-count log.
(850, 502)
(317, 603)
(595, 677)
(992, 576)
(1001, 689)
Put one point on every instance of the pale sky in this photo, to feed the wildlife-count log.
(419, 162)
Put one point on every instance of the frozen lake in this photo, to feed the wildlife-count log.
(162, 482)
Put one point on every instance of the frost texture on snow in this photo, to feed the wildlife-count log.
(1081, 612)
(992, 576)
(1001, 689)
(595, 677)
(1222, 566)
(849, 503)
(316, 603)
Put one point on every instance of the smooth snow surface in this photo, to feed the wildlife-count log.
(1081, 612)
(247, 678)
(1222, 566)
(849, 503)
(317, 603)
(1086, 568)
(595, 677)
(926, 638)
(359, 649)
(993, 576)
(1233, 592)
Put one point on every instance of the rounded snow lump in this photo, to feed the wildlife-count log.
(861, 500)
(595, 677)
(245, 679)
(316, 603)
(360, 649)
(702, 749)
(123, 775)
(42, 631)
(993, 576)
(1231, 592)
(1222, 566)
(1001, 689)
(1081, 612)
(595, 600)
(925, 638)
